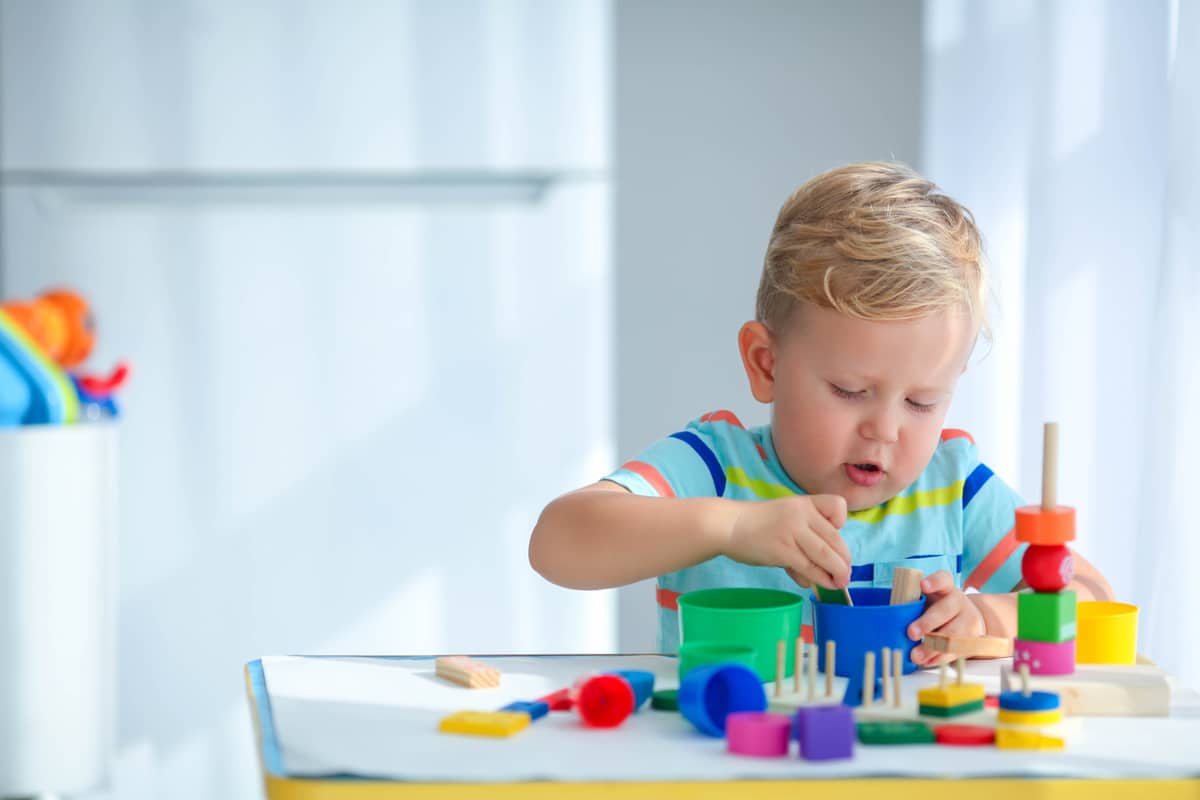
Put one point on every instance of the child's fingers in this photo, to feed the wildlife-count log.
(938, 583)
(802, 566)
(825, 558)
(936, 615)
(926, 658)
(833, 538)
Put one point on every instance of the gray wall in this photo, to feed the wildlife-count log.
(721, 110)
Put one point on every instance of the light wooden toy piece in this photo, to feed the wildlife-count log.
(969, 646)
(951, 700)
(906, 585)
(885, 669)
(868, 686)
(780, 665)
(485, 723)
(812, 672)
(897, 673)
(1049, 466)
(466, 672)
(1108, 690)
(796, 668)
(792, 700)
(830, 661)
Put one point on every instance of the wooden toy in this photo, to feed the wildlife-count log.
(560, 700)
(949, 700)
(969, 646)
(466, 672)
(604, 701)
(839, 597)
(665, 700)
(1050, 523)
(1046, 617)
(1045, 658)
(810, 694)
(1134, 690)
(536, 709)
(893, 706)
(906, 585)
(1012, 739)
(895, 732)
(825, 732)
(1048, 568)
(758, 733)
(485, 723)
(965, 735)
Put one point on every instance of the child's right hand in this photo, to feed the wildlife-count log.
(797, 533)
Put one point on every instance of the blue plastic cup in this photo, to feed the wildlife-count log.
(871, 624)
(710, 694)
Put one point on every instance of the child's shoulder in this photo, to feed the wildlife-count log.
(725, 432)
(954, 457)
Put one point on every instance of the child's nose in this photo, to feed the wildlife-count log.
(883, 426)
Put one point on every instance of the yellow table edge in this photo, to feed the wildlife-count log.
(281, 787)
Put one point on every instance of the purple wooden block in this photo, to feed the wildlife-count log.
(826, 732)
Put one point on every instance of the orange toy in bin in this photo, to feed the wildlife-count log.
(60, 322)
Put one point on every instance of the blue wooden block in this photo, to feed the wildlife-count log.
(535, 709)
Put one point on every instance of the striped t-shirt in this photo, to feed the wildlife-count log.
(956, 516)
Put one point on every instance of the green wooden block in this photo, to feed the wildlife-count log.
(897, 732)
(839, 597)
(1046, 616)
(950, 711)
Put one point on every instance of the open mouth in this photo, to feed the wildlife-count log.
(864, 474)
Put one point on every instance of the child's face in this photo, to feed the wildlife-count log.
(859, 406)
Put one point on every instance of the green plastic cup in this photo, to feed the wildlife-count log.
(694, 654)
(759, 618)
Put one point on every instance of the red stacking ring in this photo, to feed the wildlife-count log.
(965, 735)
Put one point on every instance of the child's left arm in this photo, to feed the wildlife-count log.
(949, 610)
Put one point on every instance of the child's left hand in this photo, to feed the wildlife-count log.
(948, 611)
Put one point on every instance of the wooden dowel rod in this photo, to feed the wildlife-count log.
(1050, 466)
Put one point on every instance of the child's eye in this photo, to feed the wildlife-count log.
(846, 393)
(923, 408)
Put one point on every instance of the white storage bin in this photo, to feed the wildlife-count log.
(57, 607)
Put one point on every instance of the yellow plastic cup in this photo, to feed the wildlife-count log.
(1106, 633)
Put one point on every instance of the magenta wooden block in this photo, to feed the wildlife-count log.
(826, 732)
(1045, 658)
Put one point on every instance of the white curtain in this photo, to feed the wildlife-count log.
(1070, 129)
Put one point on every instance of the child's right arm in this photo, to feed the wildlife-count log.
(602, 536)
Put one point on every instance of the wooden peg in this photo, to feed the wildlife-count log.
(906, 585)
(799, 654)
(868, 688)
(812, 672)
(1024, 671)
(885, 669)
(959, 666)
(897, 672)
(1050, 466)
(830, 662)
(942, 676)
(780, 664)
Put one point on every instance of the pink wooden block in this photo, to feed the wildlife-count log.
(756, 733)
(1045, 658)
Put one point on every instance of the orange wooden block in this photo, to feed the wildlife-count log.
(1037, 525)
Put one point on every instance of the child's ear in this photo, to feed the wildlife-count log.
(757, 347)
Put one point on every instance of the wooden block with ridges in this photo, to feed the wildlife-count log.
(466, 672)
(485, 723)
(1110, 690)
(969, 646)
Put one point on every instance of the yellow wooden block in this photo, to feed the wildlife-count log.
(1007, 716)
(485, 723)
(1010, 739)
(952, 694)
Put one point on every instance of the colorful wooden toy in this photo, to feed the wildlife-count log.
(1012, 739)
(536, 709)
(906, 585)
(485, 723)
(757, 733)
(1135, 690)
(604, 701)
(1045, 658)
(951, 699)
(466, 672)
(895, 732)
(825, 732)
(1046, 617)
(965, 735)
(806, 689)
(1047, 568)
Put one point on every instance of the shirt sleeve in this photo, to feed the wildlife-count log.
(684, 464)
(991, 553)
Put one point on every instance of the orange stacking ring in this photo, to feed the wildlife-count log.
(1037, 525)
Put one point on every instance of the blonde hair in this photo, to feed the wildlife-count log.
(874, 241)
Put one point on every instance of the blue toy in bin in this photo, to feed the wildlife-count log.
(871, 624)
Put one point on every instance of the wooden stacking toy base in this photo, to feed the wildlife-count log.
(1136, 690)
